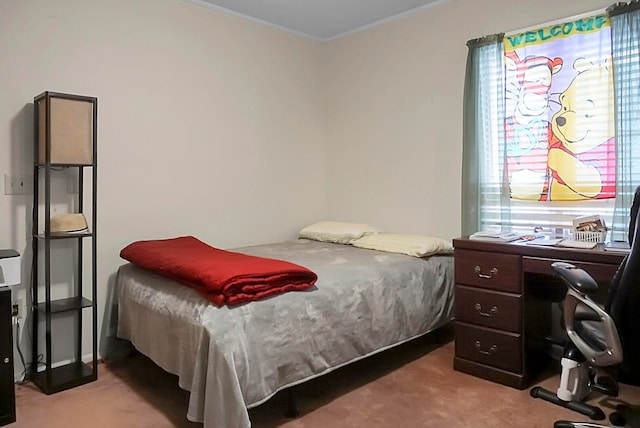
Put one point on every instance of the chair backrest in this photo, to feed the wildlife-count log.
(623, 302)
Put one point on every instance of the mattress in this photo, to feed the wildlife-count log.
(232, 358)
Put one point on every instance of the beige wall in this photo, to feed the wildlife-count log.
(395, 110)
(208, 124)
(239, 133)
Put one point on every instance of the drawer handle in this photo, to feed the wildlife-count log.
(492, 312)
(492, 272)
(494, 348)
(6, 360)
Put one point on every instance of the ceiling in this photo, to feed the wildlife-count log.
(320, 19)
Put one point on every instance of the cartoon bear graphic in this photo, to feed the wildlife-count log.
(581, 158)
(527, 126)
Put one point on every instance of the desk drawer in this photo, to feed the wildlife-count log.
(494, 348)
(599, 271)
(495, 271)
(488, 308)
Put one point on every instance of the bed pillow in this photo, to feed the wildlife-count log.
(336, 232)
(411, 245)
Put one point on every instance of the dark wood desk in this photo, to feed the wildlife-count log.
(504, 295)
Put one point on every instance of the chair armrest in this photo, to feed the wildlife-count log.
(576, 278)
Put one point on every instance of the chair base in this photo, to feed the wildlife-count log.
(570, 424)
(593, 412)
(626, 415)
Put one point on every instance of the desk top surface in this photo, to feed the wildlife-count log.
(593, 255)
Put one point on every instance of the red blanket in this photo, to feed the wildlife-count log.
(221, 276)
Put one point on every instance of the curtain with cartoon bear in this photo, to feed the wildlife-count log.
(559, 111)
(569, 117)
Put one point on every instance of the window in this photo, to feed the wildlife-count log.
(544, 135)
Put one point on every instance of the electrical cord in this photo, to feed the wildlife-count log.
(27, 367)
(25, 374)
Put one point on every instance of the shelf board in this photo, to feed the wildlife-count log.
(65, 235)
(65, 305)
(65, 377)
(63, 165)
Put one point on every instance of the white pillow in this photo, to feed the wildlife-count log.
(411, 245)
(336, 232)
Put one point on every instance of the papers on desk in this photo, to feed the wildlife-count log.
(570, 243)
(618, 247)
(535, 239)
(545, 242)
(559, 242)
(493, 236)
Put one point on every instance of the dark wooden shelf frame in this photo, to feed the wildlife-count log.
(76, 372)
(61, 378)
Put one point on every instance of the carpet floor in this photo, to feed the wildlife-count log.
(411, 386)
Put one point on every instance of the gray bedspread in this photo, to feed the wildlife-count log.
(235, 358)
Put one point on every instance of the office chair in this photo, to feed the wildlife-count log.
(597, 337)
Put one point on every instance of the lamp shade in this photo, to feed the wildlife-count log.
(65, 128)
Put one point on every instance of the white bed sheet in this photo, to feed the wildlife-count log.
(235, 358)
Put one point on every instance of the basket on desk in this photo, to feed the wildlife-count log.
(577, 235)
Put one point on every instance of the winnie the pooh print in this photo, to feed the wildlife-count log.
(581, 158)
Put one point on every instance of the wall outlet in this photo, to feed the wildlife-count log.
(18, 184)
(18, 308)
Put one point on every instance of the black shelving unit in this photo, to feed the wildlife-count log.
(65, 140)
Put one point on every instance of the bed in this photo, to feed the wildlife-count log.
(233, 358)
